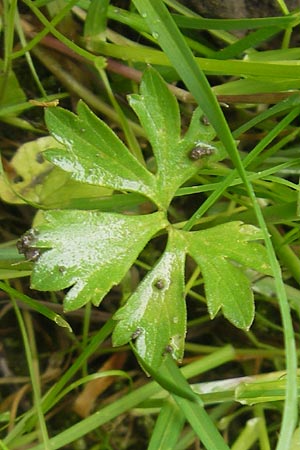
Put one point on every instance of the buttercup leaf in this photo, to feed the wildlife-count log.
(154, 317)
(220, 251)
(158, 112)
(88, 251)
(94, 154)
(91, 251)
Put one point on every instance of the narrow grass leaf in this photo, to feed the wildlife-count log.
(28, 422)
(200, 23)
(248, 436)
(194, 412)
(248, 42)
(96, 19)
(122, 405)
(167, 427)
(35, 305)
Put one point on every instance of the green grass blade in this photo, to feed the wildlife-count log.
(34, 376)
(200, 23)
(35, 305)
(130, 400)
(167, 428)
(201, 424)
(248, 436)
(193, 409)
(50, 397)
(95, 23)
(250, 41)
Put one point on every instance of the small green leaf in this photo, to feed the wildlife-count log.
(94, 154)
(88, 250)
(220, 251)
(155, 314)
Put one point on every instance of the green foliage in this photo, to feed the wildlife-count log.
(90, 251)
(156, 311)
(11, 92)
(226, 286)
(105, 201)
(37, 182)
(95, 155)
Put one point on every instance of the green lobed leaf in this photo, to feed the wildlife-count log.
(61, 191)
(154, 316)
(89, 251)
(94, 154)
(220, 251)
(158, 112)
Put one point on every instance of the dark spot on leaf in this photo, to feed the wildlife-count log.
(25, 245)
(200, 151)
(32, 254)
(28, 238)
(137, 333)
(39, 179)
(62, 269)
(159, 284)
(18, 179)
(168, 349)
(39, 158)
(205, 121)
